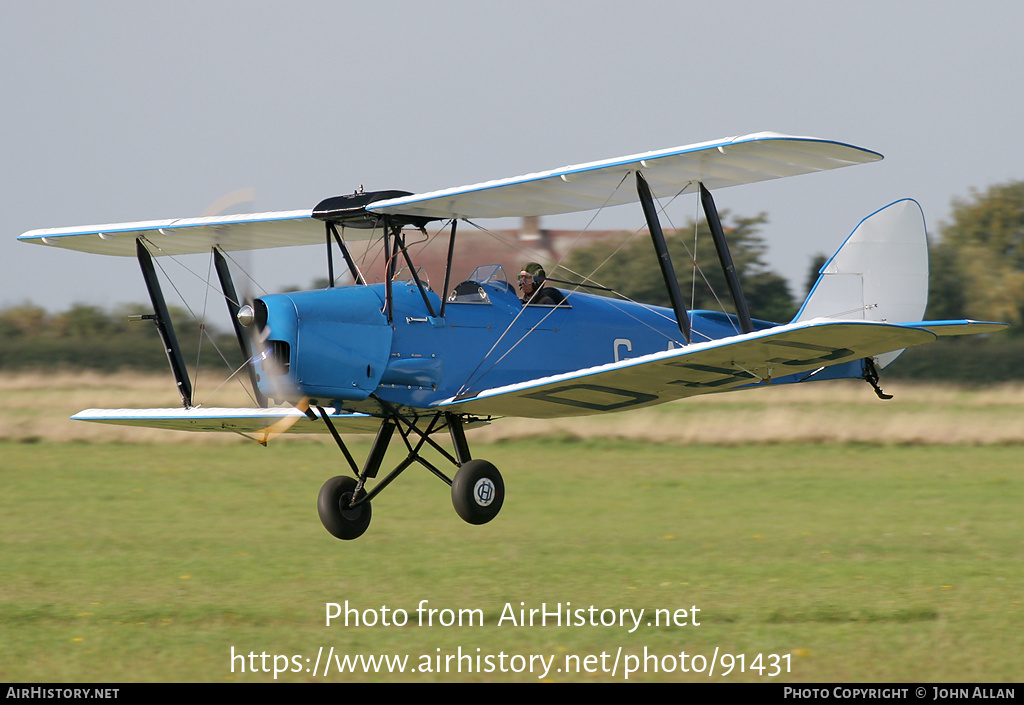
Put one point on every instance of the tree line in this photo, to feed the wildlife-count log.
(976, 263)
(91, 337)
(976, 272)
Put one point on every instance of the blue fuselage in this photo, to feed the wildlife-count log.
(337, 346)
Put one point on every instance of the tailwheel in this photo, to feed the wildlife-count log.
(342, 520)
(478, 491)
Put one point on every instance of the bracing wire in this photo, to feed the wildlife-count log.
(203, 330)
(575, 289)
(696, 272)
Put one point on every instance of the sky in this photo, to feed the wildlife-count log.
(123, 111)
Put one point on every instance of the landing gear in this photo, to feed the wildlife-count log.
(871, 377)
(337, 513)
(477, 491)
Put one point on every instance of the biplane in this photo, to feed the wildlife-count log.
(396, 356)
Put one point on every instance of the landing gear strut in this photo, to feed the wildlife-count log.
(344, 503)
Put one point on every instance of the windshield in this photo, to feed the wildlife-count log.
(490, 273)
(474, 289)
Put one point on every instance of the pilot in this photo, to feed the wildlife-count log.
(531, 283)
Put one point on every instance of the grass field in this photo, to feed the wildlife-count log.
(892, 558)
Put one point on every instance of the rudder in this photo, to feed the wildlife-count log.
(880, 273)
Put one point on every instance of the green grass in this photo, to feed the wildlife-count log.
(861, 563)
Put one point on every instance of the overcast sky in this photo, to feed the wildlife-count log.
(120, 111)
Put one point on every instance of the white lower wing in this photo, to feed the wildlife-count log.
(247, 421)
(696, 369)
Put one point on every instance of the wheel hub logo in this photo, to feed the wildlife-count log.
(483, 492)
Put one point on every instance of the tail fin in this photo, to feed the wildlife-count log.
(879, 274)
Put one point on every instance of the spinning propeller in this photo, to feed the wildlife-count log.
(249, 322)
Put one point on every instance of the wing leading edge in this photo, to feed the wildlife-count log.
(696, 369)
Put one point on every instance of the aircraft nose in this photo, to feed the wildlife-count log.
(332, 343)
(272, 332)
(246, 315)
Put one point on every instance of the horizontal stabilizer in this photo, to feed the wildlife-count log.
(695, 369)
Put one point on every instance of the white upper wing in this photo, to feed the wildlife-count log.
(184, 236)
(728, 162)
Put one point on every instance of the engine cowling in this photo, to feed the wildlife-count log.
(325, 344)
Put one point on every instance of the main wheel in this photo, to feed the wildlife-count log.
(341, 520)
(478, 491)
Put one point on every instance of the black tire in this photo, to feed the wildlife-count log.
(337, 517)
(478, 491)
